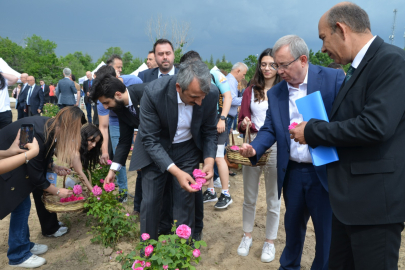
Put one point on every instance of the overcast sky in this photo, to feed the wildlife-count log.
(234, 28)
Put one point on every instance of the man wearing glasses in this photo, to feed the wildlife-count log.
(305, 187)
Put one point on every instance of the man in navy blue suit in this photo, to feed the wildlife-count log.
(35, 98)
(305, 187)
(164, 56)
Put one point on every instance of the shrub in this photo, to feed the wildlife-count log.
(50, 110)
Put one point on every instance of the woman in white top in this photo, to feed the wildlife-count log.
(252, 115)
(6, 117)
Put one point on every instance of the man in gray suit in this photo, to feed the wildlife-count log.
(177, 131)
(66, 91)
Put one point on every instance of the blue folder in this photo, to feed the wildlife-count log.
(311, 106)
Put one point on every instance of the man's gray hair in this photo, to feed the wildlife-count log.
(194, 69)
(239, 65)
(67, 71)
(350, 14)
(296, 45)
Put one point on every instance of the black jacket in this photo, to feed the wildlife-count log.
(152, 74)
(367, 125)
(16, 185)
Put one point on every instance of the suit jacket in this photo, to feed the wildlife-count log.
(36, 99)
(128, 122)
(22, 97)
(65, 92)
(152, 74)
(46, 93)
(367, 125)
(158, 124)
(275, 128)
(86, 90)
(17, 184)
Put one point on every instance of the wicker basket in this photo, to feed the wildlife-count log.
(235, 157)
(52, 202)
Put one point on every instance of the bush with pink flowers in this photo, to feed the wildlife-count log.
(174, 251)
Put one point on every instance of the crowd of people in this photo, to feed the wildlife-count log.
(180, 116)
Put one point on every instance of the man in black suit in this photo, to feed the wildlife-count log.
(113, 94)
(86, 89)
(22, 97)
(177, 131)
(45, 90)
(367, 126)
(35, 98)
(164, 56)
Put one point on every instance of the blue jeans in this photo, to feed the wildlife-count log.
(122, 176)
(229, 122)
(19, 244)
(88, 109)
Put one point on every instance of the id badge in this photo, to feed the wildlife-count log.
(51, 177)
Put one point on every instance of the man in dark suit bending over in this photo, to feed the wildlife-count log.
(367, 126)
(177, 131)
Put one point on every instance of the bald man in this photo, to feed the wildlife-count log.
(22, 96)
(35, 98)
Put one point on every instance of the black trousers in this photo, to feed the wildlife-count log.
(49, 221)
(5, 118)
(156, 186)
(371, 247)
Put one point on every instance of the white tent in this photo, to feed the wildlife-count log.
(7, 69)
(141, 68)
(84, 78)
(215, 68)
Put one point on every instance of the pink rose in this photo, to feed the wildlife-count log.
(102, 181)
(98, 198)
(145, 236)
(165, 267)
(127, 214)
(201, 180)
(293, 125)
(148, 250)
(109, 162)
(148, 264)
(235, 147)
(196, 253)
(198, 173)
(80, 198)
(196, 186)
(97, 190)
(183, 231)
(62, 200)
(135, 263)
(77, 189)
(109, 187)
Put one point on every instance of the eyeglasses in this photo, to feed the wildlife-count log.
(284, 67)
(264, 65)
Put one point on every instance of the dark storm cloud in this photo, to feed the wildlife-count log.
(234, 28)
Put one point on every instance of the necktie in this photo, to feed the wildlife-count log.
(349, 73)
(132, 110)
(163, 75)
(29, 96)
(89, 84)
(42, 88)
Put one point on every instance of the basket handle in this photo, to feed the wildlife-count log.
(247, 136)
(233, 139)
(64, 181)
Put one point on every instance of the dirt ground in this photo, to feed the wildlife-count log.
(222, 232)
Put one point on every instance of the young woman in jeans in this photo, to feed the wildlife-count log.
(252, 115)
(61, 132)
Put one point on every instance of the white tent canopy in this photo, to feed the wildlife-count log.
(141, 68)
(215, 68)
(7, 69)
(84, 78)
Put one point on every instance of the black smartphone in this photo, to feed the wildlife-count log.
(27, 132)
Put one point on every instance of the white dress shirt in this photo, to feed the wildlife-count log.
(30, 93)
(4, 98)
(116, 166)
(171, 72)
(184, 117)
(298, 152)
(360, 55)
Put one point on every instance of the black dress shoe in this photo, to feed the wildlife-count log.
(197, 236)
(164, 232)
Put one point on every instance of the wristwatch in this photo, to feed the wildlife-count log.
(223, 117)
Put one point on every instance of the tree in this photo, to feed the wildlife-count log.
(251, 62)
(217, 62)
(110, 51)
(86, 60)
(211, 60)
(227, 66)
(223, 59)
(72, 62)
(323, 59)
(12, 53)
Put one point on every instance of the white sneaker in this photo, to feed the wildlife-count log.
(61, 224)
(244, 247)
(217, 183)
(60, 232)
(39, 249)
(32, 262)
(268, 252)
